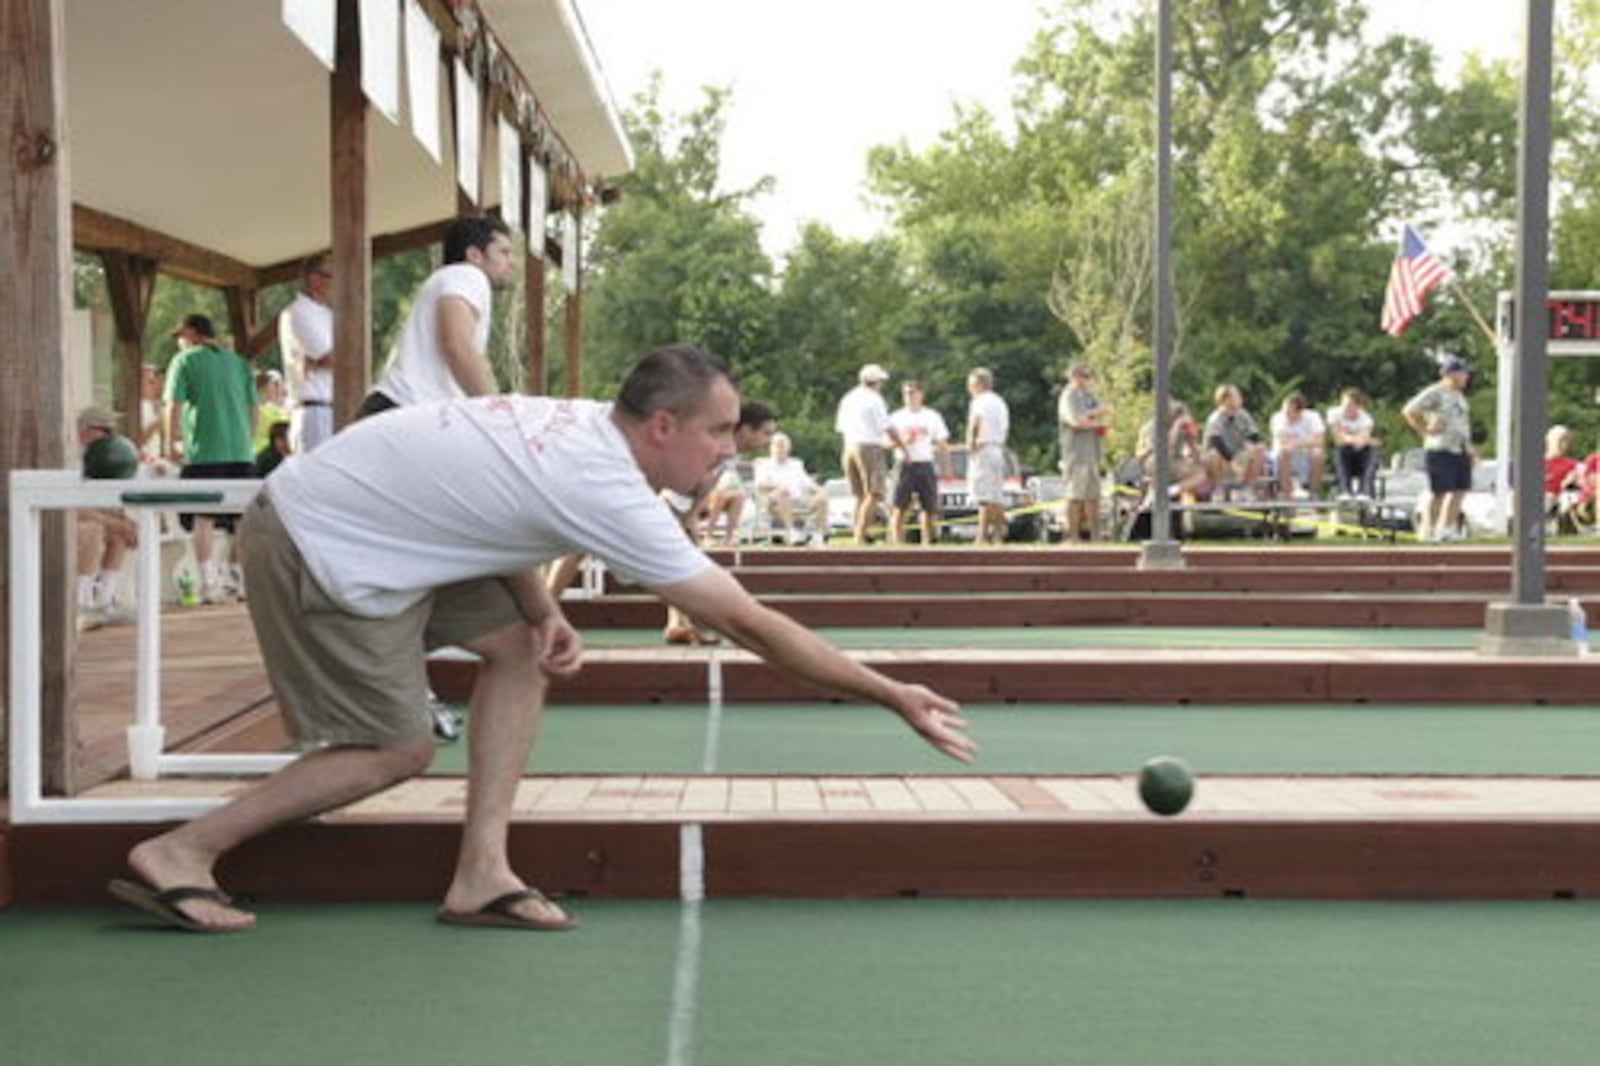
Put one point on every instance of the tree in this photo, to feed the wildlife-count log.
(676, 259)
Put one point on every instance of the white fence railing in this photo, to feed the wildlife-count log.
(33, 492)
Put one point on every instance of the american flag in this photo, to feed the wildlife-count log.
(1416, 272)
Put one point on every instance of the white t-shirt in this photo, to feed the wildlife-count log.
(863, 417)
(920, 431)
(416, 371)
(788, 477)
(995, 416)
(1303, 431)
(1341, 424)
(443, 492)
(305, 330)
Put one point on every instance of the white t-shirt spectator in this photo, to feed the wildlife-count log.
(1341, 424)
(416, 371)
(1305, 431)
(305, 330)
(993, 417)
(788, 476)
(863, 417)
(506, 483)
(920, 431)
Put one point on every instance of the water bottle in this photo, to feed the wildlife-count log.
(1580, 625)
(188, 585)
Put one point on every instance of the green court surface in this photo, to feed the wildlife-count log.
(839, 983)
(1153, 637)
(1069, 739)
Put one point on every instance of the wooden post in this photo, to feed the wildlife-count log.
(537, 365)
(352, 240)
(574, 309)
(130, 282)
(243, 317)
(35, 300)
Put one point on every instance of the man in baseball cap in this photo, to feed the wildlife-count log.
(863, 422)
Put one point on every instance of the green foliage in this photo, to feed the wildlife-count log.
(676, 260)
(1022, 242)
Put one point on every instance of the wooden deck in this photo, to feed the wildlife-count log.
(882, 835)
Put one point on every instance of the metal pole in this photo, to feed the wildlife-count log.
(1161, 549)
(1532, 369)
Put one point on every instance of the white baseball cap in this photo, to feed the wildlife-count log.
(873, 372)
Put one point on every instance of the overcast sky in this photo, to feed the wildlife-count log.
(817, 84)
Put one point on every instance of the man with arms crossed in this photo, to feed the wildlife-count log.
(424, 527)
(305, 334)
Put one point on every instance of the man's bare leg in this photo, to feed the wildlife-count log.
(316, 782)
(507, 703)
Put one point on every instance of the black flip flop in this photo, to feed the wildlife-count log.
(500, 913)
(163, 905)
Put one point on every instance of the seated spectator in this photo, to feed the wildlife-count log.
(104, 535)
(269, 406)
(786, 489)
(1357, 454)
(1234, 453)
(276, 449)
(1190, 479)
(1564, 481)
(1298, 436)
(724, 505)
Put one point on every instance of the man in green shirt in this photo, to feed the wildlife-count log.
(211, 415)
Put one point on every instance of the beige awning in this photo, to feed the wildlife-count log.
(207, 121)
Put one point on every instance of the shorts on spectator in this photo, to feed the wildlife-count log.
(919, 481)
(867, 467)
(215, 472)
(1449, 472)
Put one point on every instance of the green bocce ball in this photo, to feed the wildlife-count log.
(1166, 785)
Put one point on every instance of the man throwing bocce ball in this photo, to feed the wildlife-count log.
(424, 528)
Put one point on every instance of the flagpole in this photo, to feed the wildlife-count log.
(1472, 308)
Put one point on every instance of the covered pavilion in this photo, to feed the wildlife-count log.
(223, 142)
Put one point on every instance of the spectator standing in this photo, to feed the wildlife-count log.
(305, 335)
(924, 436)
(152, 440)
(442, 350)
(988, 427)
(863, 422)
(1441, 415)
(1234, 454)
(211, 412)
(1083, 422)
(1357, 454)
(786, 489)
(1299, 439)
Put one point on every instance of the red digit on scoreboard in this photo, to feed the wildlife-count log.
(1574, 320)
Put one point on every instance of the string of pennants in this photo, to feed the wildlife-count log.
(480, 62)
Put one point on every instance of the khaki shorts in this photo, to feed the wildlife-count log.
(986, 474)
(342, 679)
(867, 466)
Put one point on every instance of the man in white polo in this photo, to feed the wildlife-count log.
(988, 425)
(863, 422)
